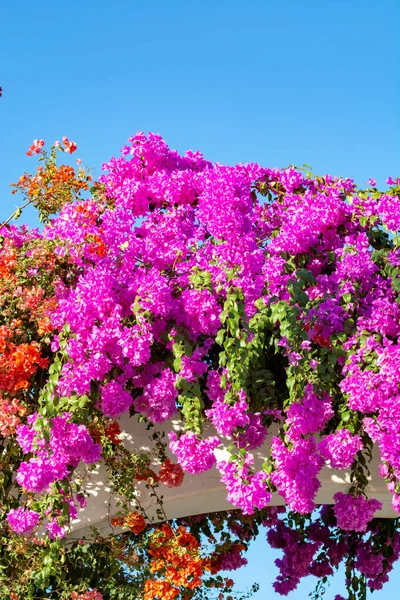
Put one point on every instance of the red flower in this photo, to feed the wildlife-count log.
(112, 431)
(171, 474)
(70, 147)
(35, 148)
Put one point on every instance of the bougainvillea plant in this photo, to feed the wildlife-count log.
(252, 305)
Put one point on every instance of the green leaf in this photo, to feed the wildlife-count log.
(396, 284)
(177, 364)
(220, 337)
(346, 415)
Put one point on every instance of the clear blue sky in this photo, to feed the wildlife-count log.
(285, 82)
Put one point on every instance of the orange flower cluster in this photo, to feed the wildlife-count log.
(134, 521)
(162, 589)
(117, 522)
(53, 187)
(18, 362)
(10, 413)
(97, 245)
(32, 300)
(176, 562)
(26, 298)
(25, 310)
(85, 214)
(16, 265)
(8, 259)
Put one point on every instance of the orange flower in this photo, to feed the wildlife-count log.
(18, 362)
(10, 413)
(117, 522)
(177, 560)
(160, 589)
(135, 522)
(97, 245)
(186, 539)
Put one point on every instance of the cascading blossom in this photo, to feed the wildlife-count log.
(226, 418)
(114, 400)
(354, 513)
(158, 399)
(296, 473)
(69, 444)
(240, 298)
(195, 456)
(246, 491)
(309, 415)
(254, 434)
(340, 448)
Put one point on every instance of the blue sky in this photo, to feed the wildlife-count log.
(285, 82)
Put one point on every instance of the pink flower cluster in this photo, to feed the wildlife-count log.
(69, 444)
(295, 474)
(194, 455)
(158, 401)
(314, 336)
(114, 399)
(317, 546)
(354, 513)
(226, 418)
(22, 520)
(339, 449)
(309, 415)
(245, 490)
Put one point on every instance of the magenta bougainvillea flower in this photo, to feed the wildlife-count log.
(354, 513)
(249, 305)
(22, 520)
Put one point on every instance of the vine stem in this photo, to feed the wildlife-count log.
(17, 209)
